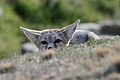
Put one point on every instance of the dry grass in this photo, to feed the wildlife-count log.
(97, 61)
(102, 52)
(6, 67)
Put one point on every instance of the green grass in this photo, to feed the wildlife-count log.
(9, 27)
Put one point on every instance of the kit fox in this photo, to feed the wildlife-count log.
(57, 38)
(51, 38)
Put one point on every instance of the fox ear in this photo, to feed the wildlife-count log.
(31, 34)
(70, 29)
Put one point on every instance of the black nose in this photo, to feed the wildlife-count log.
(49, 47)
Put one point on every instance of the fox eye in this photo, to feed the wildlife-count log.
(57, 41)
(43, 42)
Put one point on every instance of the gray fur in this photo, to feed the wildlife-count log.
(82, 36)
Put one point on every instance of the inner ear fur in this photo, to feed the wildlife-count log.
(70, 29)
(31, 34)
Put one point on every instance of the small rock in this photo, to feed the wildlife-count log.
(28, 48)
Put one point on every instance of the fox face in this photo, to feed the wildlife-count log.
(51, 38)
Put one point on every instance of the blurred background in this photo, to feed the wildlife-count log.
(43, 14)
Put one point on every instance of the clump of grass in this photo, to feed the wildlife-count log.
(48, 54)
(102, 52)
(6, 68)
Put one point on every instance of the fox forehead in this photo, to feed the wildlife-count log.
(51, 35)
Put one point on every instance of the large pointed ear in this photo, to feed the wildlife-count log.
(31, 34)
(70, 29)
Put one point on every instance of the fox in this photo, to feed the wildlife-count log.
(51, 38)
(57, 38)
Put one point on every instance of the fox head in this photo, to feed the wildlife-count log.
(51, 38)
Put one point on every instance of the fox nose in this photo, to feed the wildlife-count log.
(49, 47)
